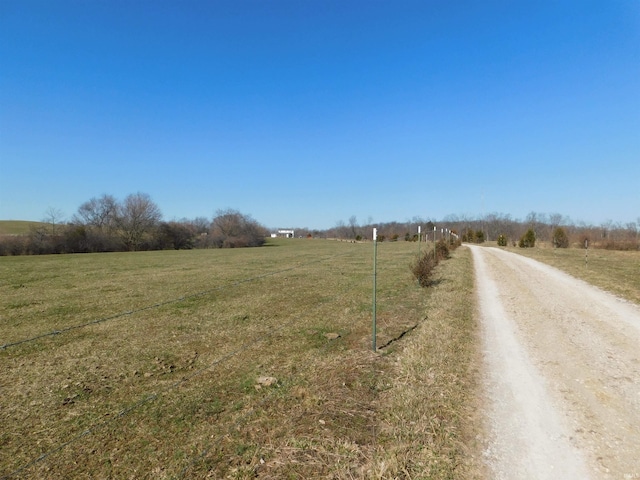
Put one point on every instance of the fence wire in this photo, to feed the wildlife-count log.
(215, 443)
(154, 396)
(161, 304)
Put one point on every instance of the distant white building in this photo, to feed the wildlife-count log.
(284, 233)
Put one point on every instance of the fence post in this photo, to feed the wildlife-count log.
(435, 231)
(586, 253)
(375, 255)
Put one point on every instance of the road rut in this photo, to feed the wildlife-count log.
(562, 373)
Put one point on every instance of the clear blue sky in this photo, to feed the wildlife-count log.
(303, 113)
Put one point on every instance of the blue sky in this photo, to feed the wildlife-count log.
(304, 113)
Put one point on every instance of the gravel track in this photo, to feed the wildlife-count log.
(562, 373)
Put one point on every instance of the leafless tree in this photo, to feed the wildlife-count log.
(53, 216)
(340, 230)
(353, 226)
(136, 217)
(200, 224)
(98, 212)
(230, 229)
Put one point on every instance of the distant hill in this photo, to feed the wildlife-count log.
(16, 227)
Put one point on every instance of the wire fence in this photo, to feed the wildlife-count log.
(164, 303)
(151, 397)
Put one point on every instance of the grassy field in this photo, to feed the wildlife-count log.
(236, 364)
(16, 227)
(615, 271)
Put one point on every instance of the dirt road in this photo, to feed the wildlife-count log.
(562, 381)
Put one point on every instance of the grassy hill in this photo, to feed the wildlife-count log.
(16, 227)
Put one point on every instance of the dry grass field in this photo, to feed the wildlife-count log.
(615, 271)
(236, 364)
(17, 227)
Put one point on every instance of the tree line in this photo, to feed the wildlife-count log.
(555, 229)
(104, 224)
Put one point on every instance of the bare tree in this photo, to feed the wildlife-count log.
(555, 219)
(98, 212)
(230, 229)
(200, 224)
(535, 222)
(136, 217)
(53, 216)
(341, 230)
(353, 225)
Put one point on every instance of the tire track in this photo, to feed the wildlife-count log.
(562, 372)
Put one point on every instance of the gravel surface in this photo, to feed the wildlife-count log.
(562, 373)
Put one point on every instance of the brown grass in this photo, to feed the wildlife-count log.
(18, 227)
(167, 385)
(615, 271)
(430, 425)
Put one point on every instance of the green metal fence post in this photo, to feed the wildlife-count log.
(375, 255)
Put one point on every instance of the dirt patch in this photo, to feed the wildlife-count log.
(562, 372)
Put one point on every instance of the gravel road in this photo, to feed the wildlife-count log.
(562, 373)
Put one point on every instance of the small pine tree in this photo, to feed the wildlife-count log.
(560, 238)
(442, 250)
(528, 240)
(479, 236)
(423, 268)
(502, 240)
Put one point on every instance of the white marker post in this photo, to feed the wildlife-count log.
(435, 231)
(375, 247)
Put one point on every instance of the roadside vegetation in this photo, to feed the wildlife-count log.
(424, 267)
(237, 363)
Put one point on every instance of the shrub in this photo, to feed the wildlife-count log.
(423, 268)
(442, 250)
(13, 245)
(454, 240)
(177, 236)
(528, 240)
(623, 245)
(479, 236)
(560, 238)
(502, 240)
(232, 229)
